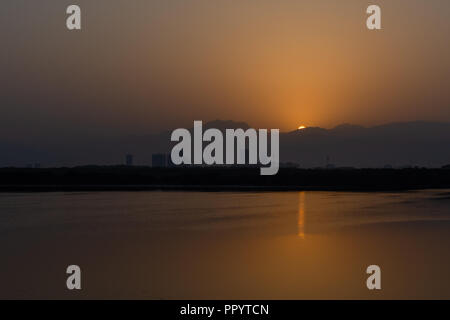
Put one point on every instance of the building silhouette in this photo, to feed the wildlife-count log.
(328, 163)
(129, 160)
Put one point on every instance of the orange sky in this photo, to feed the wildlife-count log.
(149, 65)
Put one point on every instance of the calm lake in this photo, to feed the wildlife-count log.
(225, 245)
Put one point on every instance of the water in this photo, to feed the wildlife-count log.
(231, 245)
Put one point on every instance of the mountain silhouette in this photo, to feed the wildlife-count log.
(396, 144)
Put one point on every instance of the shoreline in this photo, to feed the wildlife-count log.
(211, 179)
(200, 188)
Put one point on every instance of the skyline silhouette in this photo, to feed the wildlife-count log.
(397, 145)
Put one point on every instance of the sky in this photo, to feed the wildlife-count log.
(142, 66)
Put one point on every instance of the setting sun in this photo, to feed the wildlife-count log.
(301, 128)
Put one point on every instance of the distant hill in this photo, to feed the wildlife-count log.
(396, 144)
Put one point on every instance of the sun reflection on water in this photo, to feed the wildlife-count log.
(301, 215)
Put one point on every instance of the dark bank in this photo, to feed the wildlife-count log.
(122, 178)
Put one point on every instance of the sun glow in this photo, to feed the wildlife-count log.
(301, 128)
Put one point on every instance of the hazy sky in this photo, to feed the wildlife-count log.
(141, 66)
